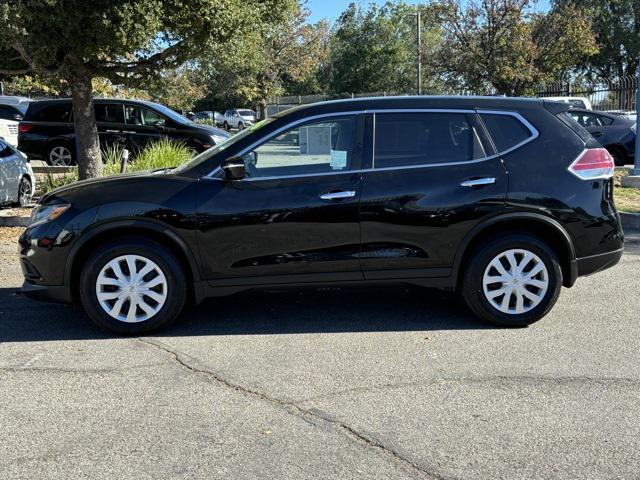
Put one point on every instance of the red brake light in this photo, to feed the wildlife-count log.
(592, 164)
(24, 127)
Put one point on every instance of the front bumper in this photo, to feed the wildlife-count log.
(47, 293)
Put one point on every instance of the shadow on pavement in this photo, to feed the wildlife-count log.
(286, 311)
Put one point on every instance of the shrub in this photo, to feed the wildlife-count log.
(161, 154)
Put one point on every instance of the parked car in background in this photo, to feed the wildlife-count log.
(47, 130)
(211, 116)
(617, 133)
(576, 102)
(17, 182)
(20, 103)
(10, 115)
(506, 200)
(238, 118)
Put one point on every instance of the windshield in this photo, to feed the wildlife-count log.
(207, 154)
(167, 112)
(246, 113)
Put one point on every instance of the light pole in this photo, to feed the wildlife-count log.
(636, 165)
(419, 28)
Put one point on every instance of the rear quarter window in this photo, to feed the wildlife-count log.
(506, 131)
(56, 112)
(579, 130)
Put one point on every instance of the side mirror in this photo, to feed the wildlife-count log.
(234, 168)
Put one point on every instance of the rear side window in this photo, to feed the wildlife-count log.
(412, 139)
(55, 112)
(579, 130)
(506, 131)
(5, 150)
(109, 112)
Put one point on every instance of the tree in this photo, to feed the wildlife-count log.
(374, 50)
(501, 44)
(616, 25)
(264, 60)
(125, 41)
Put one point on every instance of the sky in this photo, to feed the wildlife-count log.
(331, 9)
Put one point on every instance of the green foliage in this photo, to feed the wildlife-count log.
(375, 50)
(51, 181)
(161, 154)
(505, 45)
(616, 25)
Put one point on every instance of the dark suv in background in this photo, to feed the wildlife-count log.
(506, 200)
(47, 130)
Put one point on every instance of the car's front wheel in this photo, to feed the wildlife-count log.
(512, 280)
(25, 192)
(133, 286)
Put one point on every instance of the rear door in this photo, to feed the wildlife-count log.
(433, 176)
(9, 174)
(110, 122)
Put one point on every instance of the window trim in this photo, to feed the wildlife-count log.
(215, 173)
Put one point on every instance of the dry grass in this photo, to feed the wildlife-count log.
(9, 235)
(627, 199)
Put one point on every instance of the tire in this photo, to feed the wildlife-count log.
(98, 273)
(60, 155)
(477, 293)
(25, 192)
(225, 125)
(619, 157)
(240, 126)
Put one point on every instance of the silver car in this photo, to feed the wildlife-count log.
(17, 182)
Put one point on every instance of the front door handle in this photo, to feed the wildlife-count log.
(478, 182)
(338, 195)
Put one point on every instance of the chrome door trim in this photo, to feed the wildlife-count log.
(338, 195)
(534, 134)
(478, 182)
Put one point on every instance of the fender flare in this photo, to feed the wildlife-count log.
(535, 217)
(148, 225)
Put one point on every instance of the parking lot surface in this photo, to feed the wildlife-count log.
(394, 382)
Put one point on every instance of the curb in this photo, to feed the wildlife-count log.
(630, 221)
(14, 221)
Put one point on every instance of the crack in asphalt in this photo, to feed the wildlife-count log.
(297, 411)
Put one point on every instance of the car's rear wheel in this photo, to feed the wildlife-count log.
(240, 126)
(60, 155)
(226, 126)
(133, 286)
(512, 280)
(25, 192)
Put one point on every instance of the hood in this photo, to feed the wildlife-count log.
(209, 130)
(90, 183)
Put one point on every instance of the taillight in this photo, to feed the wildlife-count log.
(24, 127)
(592, 164)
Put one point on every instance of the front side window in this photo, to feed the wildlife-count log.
(413, 139)
(136, 115)
(324, 146)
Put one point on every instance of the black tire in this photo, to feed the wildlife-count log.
(176, 292)
(472, 285)
(225, 125)
(54, 147)
(240, 126)
(619, 157)
(25, 192)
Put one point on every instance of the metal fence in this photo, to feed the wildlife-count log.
(610, 95)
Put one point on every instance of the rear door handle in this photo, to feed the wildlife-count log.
(112, 131)
(338, 195)
(478, 182)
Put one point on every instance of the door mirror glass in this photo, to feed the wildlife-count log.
(234, 168)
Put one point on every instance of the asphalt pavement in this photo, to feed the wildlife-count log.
(384, 383)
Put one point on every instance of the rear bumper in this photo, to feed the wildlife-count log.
(597, 263)
(47, 293)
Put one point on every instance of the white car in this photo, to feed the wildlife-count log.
(576, 102)
(17, 182)
(12, 110)
(239, 118)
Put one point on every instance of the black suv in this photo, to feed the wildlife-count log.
(47, 130)
(506, 200)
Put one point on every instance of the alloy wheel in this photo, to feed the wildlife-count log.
(131, 288)
(24, 192)
(515, 281)
(60, 156)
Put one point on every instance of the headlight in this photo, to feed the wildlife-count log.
(218, 139)
(47, 213)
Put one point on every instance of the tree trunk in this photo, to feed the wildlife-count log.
(262, 108)
(88, 153)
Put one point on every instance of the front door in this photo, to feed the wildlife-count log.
(294, 218)
(144, 126)
(431, 179)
